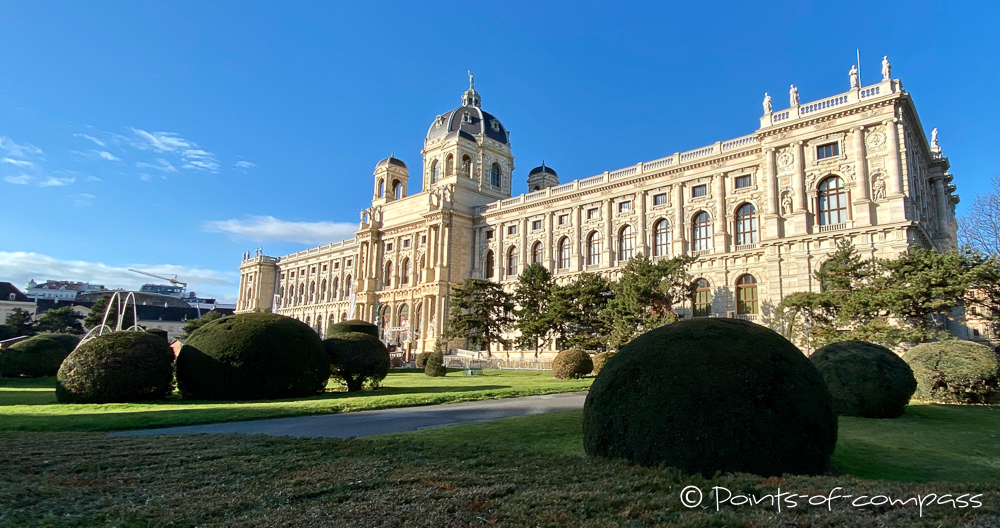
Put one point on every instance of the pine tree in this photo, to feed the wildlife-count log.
(96, 315)
(576, 310)
(19, 323)
(533, 297)
(645, 297)
(481, 312)
(60, 320)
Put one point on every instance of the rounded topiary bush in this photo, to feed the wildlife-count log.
(955, 372)
(354, 325)
(572, 364)
(600, 360)
(865, 379)
(434, 367)
(36, 356)
(421, 359)
(357, 359)
(159, 333)
(252, 356)
(118, 367)
(708, 395)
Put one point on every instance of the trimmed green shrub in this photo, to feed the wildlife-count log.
(357, 360)
(159, 333)
(955, 372)
(572, 364)
(115, 368)
(434, 366)
(36, 356)
(600, 360)
(252, 356)
(354, 325)
(865, 379)
(712, 395)
(421, 359)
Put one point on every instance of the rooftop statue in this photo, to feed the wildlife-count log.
(886, 68)
(855, 83)
(793, 96)
(767, 103)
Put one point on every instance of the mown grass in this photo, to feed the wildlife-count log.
(30, 405)
(928, 443)
(92, 479)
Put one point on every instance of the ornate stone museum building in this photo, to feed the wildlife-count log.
(761, 213)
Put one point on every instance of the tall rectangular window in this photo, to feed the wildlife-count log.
(827, 151)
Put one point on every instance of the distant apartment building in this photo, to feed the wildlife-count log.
(60, 290)
(12, 298)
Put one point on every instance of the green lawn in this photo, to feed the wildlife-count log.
(929, 443)
(30, 404)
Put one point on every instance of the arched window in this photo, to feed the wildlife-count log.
(381, 188)
(449, 165)
(312, 291)
(626, 243)
(495, 175)
(701, 231)
(512, 261)
(343, 316)
(435, 172)
(564, 253)
(490, 264)
(397, 189)
(420, 272)
(334, 293)
(405, 272)
(536, 189)
(661, 238)
(388, 275)
(536, 253)
(746, 294)
(302, 294)
(832, 201)
(467, 166)
(593, 249)
(418, 320)
(347, 285)
(702, 299)
(403, 318)
(332, 319)
(308, 321)
(322, 290)
(746, 225)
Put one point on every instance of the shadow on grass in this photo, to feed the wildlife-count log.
(27, 397)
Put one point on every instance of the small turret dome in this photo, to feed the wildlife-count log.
(542, 169)
(391, 160)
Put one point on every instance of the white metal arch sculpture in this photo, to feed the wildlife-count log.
(103, 328)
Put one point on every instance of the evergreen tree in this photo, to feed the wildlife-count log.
(533, 297)
(481, 312)
(645, 297)
(576, 310)
(194, 324)
(96, 315)
(60, 321)
(19, 323)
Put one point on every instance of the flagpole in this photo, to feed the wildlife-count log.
(859, 67)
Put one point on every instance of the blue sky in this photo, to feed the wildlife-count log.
(173, 136)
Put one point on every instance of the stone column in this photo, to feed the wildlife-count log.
(477, 269)
(772, 221)
(523, 250)
(943, 211)
(549, 220)
(863, 210)
(641, 246)
(799, 222)
(609, 233)
(720, 231)
(578, 238)
(679, 222)
(894, 176)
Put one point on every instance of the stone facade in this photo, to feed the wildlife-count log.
(761, 212)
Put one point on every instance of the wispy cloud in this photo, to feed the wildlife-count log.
(17, 150)
(100, 154)
(20, 267)
(83, 200)
(91, 178)
(269, 229)
(96, 141)
(52, 181)
(18, 163)
(245, 164)
(20, 179)
(160, 165)
(191, 156)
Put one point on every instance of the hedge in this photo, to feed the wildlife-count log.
(865, 379)
(117, 367)
(955, 372)
(36, 356)
(357, 360)
(572, 364)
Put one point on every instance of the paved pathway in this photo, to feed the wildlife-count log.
(369, 423)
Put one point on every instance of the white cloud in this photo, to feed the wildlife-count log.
(145, 177)
(19, 267)
(108, 156)
(245, 164)
(163, 141)
(269, 228)
(102, 154)
(208, 165)
(161, 165)
(83, 200)
(52, 181)
(16, 150)
(21, 179)
(96, 141)
(92, 178)
(18, 163)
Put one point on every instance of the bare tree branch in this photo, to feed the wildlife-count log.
(980, 228)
